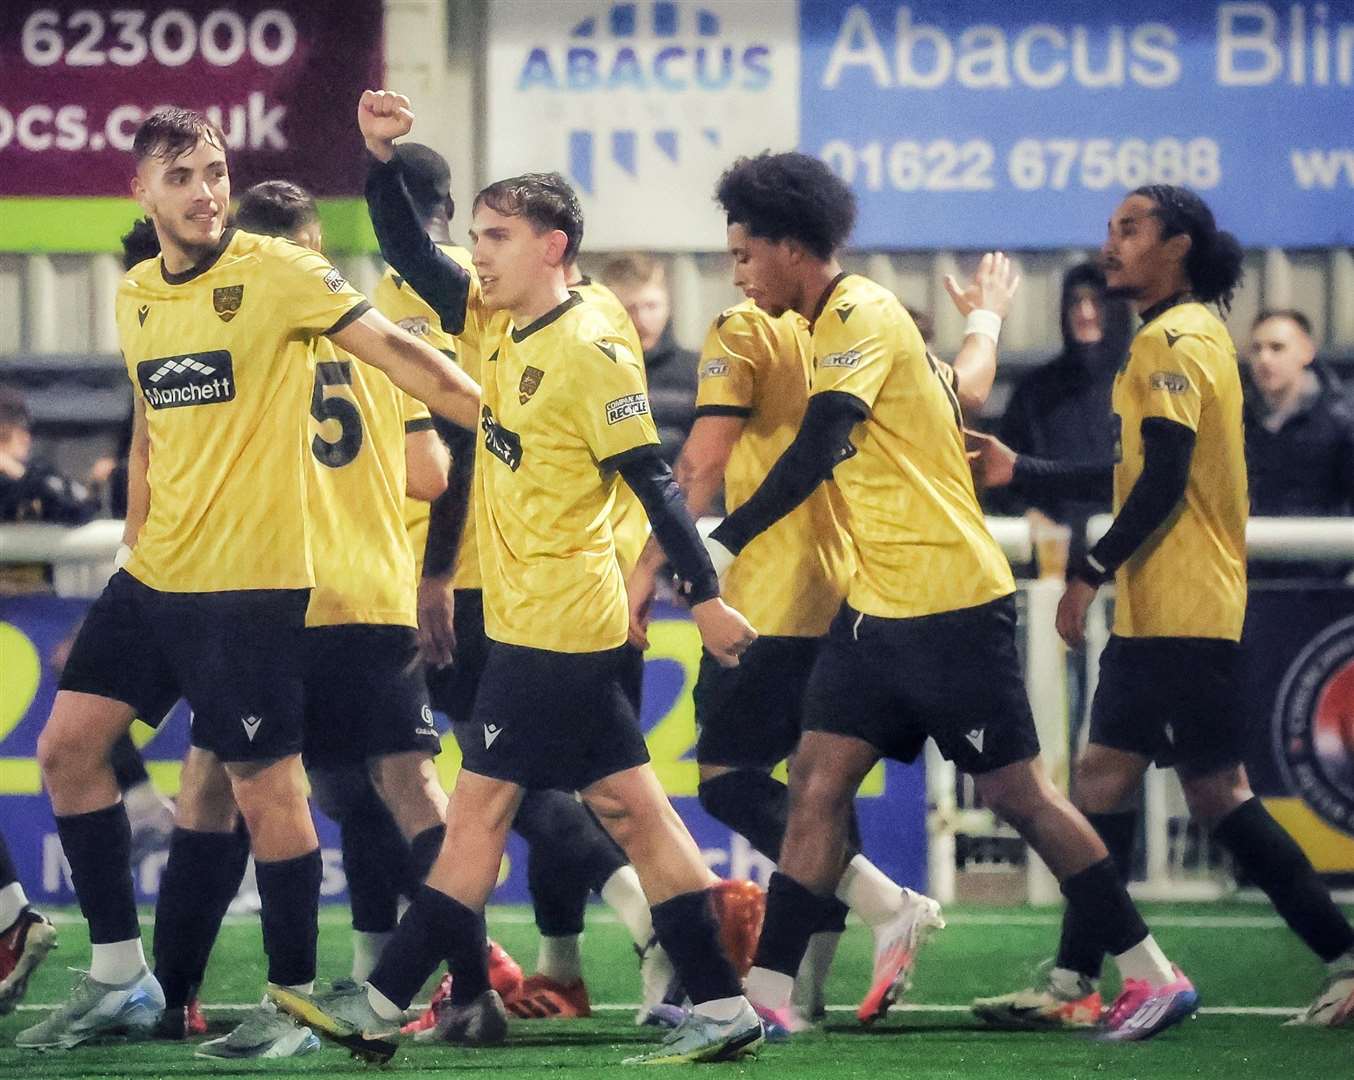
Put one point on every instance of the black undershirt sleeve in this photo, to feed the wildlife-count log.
(442, 283)
(651, 480)
(1083, 481)
(823, 442)
(446, 520)
(1167, 448)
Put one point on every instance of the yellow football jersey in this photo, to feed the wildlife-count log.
(790, 580)
(398, 302)
(1189, 579)
(629, 522)
(364, 563)
(921, 545)
(560, 396)
(221, 356)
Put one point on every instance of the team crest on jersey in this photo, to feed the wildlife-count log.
(848, 359)
(1313, 725)
(227, 300)
(529, 383)
(1170, 381)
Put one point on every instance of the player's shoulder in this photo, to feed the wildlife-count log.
(1191, 329)
(607, 302)
(857, 305)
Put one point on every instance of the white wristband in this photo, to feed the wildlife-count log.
(982, 321)
(120, 559)
(720, 556)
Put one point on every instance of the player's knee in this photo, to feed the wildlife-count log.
(65, 754)
(1212, 797)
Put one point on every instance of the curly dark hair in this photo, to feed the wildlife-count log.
(789, 197)
(1214, 262)
(544, 199)
(139, 243)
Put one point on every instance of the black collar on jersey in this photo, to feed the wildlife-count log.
(827, 295)
(199, 268)
(1161, 307)
(519, 336)
(584, 280)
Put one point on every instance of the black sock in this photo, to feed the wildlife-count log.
(686, 928)
(1272, 859)
(199, 880)
(793, 914)
(1080, 948)
(8, 874)
(289, 891)
(751, 803)
(1104, 903)
(128, 765)
(423, 851)
(98, 846)
(435, 927)
(569, 855)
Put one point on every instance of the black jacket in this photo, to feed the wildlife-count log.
(1061, 410)
(672, 392)
(1306, 468)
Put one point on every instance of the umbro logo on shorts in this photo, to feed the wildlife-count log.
(491, 732)
(171, 382)
(251, 725)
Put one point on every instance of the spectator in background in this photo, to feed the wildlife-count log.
(641, 284)
(1062, 408)
(30, 489)
(1299, 433)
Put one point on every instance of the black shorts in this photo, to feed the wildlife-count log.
(453, 688)
(954, 676)
(365, 695)
(552, 720)
(750, 716)
(1177, 701)
(235, 656)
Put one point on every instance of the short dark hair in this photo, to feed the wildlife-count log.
(544, 199)
(170, 132)
(139, 243)
(789, 197)
(427, 178)
(1291, 314)
(14, 409)
(275, 208)
(1214, 262)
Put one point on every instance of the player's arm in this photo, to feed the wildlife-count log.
(996, 465)
(446, 525)
(1167, 448)
(822, 442)
(413, 365)
(138, 482)
(427, 461)
(985, 303)
(384, 116)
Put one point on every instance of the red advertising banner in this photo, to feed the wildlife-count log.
(282, 78)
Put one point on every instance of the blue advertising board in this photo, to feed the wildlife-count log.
(969, 123)
(34, 631)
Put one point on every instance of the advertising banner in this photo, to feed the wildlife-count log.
(1300, 685)
(35, 632)
(958, 123)
(281, 77)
